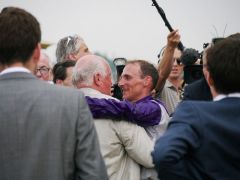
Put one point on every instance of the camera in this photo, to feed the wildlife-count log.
(192, 60)
(192, 73)
(119, 64)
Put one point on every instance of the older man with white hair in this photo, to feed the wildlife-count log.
(124, 145)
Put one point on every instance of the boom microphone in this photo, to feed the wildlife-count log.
(167, 24)
(189, 56)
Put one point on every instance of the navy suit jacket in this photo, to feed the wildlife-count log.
(202, 142)
(198, 90)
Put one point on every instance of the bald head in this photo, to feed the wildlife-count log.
(91, 60)
(94, 72)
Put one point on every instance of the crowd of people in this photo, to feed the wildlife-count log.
(60, 121)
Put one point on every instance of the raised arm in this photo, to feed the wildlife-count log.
(144, 113)
(166, 63)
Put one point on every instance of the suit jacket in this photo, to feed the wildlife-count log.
(198, 90)
(202, 142)
(46, 132)
(124, 145)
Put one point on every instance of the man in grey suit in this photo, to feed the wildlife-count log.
(46, 132)
(124, 145)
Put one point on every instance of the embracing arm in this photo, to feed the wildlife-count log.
(137, 143)
(146, 113)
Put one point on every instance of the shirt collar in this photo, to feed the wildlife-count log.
(15, 69)
(222, 96)
(169, 84)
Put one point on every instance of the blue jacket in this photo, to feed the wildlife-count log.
(202, 142)
(198, 90)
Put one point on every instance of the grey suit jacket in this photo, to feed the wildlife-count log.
(46, 132)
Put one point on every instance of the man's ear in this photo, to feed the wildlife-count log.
(147, 81)
(210, 83)
(36, 53)
(97, 79)
(208, 78)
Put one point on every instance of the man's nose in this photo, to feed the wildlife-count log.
(38, 74)
(175, 63)
(120, 82)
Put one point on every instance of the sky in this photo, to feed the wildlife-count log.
(132, 28)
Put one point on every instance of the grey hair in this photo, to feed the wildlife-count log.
(45, 56)
(84, 73)
(68, 45)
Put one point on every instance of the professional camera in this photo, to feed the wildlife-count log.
(192, 60)
(119, 64)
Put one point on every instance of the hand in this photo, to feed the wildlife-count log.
(173, 39)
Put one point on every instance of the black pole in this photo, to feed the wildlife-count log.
(162, 14)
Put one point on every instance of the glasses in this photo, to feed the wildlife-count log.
(43, 70)
(179, 62)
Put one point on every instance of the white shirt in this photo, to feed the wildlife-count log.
(222, 96)
(15, 69)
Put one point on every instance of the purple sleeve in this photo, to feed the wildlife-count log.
(146, 113)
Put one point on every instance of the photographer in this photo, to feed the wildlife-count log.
(169, 86)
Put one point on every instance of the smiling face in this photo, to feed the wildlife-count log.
(131, 83)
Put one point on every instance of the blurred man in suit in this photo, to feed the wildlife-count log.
(46, 132)
(198, 90)
(202, 140)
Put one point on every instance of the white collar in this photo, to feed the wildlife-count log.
(95, 93)
(15, 69)
(222, 96)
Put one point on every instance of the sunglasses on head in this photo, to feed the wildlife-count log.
(69, 38)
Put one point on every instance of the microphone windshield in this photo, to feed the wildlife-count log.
(189, 56)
